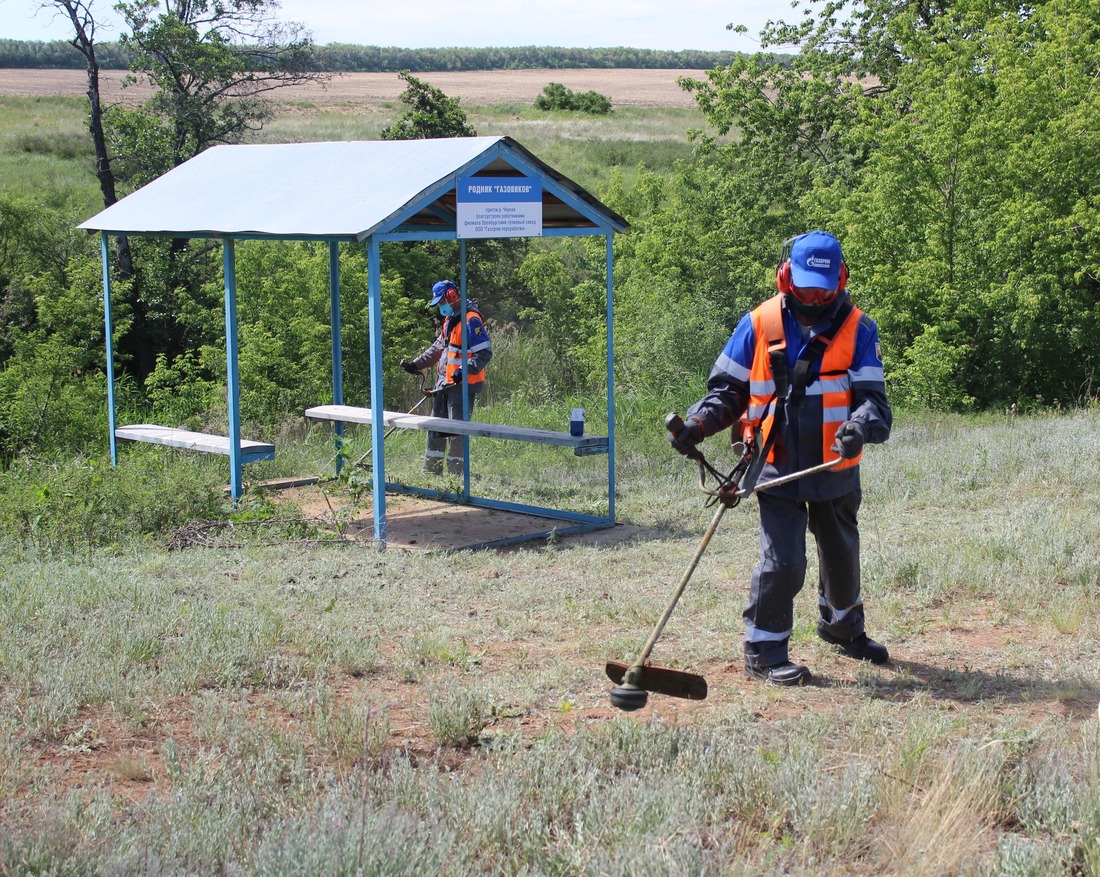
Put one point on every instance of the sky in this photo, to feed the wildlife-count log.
(412, 24)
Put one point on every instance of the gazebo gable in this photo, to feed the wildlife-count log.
(566, 207)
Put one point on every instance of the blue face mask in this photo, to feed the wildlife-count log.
(446, 310)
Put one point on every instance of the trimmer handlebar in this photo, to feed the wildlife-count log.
(674, 423)
(727, 483)
(730, 490)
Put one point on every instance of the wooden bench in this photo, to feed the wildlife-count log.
(582, 445)
(194, 441)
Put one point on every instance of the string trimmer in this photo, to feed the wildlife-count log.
(636, 680)
(426, 393)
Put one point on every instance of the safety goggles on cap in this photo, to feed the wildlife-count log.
(814, 296)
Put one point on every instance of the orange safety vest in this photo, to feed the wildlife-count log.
(833, 383)
(452, 358)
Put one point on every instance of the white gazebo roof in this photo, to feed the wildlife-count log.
(337, 190)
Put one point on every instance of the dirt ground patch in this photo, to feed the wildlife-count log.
(625, 88)
(102, 746)
(417, 524)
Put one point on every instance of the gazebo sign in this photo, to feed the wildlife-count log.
(499, 207)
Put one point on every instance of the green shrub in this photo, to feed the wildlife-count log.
(557, 97)
(84, 502)
(69, 145)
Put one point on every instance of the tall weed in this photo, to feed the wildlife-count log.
(83, 502)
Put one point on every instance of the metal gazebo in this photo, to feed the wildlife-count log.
(367, 192)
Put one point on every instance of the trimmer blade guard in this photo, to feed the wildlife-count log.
(661, 680)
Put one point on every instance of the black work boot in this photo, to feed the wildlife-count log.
(779, 674)
(862, 647)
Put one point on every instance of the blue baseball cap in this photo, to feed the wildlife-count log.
(816, 260)
(440, 290)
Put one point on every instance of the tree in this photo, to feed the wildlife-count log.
(948, 144)
(212, 63)
(430, 114)
(975, 215)
(82, 18)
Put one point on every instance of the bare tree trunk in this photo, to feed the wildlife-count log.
(80, 14)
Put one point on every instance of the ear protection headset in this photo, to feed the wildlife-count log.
(444, 292)
(783, 269)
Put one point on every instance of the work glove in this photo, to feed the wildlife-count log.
(408, 366)
(849, 439)
(457, 377)
(688, 437)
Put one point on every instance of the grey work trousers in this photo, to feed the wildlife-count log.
(777, 579)
(447, 403)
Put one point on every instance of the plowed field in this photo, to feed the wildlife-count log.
(642, 88)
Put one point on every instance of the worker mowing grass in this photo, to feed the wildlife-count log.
(445, 353)
(804, 368)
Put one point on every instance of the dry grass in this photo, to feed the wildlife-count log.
(945, 824)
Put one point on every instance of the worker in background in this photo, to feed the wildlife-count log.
(446, 354)
(813, 353)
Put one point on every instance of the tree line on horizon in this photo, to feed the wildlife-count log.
(353, 58)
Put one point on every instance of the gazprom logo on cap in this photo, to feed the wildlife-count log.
(819, 262)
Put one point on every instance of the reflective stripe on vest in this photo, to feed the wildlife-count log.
(833, 384)
(452, 358)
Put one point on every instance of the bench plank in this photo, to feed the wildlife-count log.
(193, 441)
(582, 445)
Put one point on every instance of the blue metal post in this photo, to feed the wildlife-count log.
(610, 382)
(232, 376)
(465, 379)
(337, 347)
(109, 327)
(377, 408)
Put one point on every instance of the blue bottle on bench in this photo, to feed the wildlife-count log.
(576, 421)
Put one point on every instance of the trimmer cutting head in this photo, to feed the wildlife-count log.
(633, 695)
(629, 699)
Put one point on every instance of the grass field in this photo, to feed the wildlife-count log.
(276, 699)
(276, 705)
